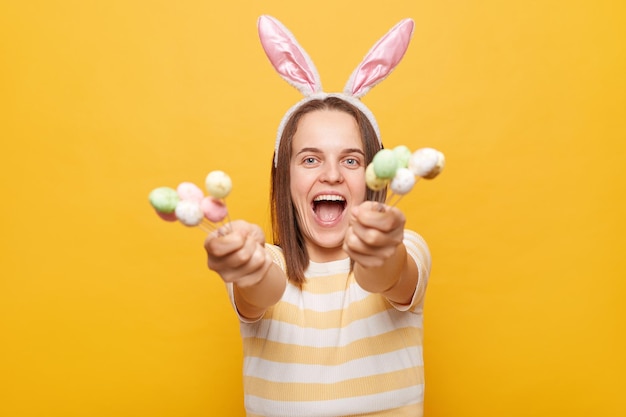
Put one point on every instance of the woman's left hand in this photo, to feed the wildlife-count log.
(374, 234)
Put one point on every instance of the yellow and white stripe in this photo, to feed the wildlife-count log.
(334, 349)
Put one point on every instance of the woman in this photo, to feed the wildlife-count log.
(331, 316)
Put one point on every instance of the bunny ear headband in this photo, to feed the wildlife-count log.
(294, 65)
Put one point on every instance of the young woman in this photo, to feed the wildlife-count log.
(330, 316)
(331, 313)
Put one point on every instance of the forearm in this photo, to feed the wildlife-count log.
(252, 301)
(396, 278)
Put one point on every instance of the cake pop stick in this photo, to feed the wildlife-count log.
(214, 210)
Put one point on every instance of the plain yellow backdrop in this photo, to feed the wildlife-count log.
(108, 311)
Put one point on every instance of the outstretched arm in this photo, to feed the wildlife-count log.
(374, 242)
(240, 258)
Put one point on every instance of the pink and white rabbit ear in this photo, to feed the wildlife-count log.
(288, 58)
(384, 56)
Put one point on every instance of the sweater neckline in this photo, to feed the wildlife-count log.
(316, 269)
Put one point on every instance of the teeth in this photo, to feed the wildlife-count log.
(329, 197)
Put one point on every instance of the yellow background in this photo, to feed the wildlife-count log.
(108, 311)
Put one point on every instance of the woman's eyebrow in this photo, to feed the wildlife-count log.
(312, 150)
(353, 150)
(343, 151)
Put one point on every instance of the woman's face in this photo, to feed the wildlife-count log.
(327, 169)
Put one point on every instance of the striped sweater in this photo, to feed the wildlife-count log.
(333, 349)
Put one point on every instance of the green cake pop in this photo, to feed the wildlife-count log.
(385, 164)
(403, 153)
(164, 199)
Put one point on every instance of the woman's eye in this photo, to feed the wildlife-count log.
(352, 162)
(309, 160)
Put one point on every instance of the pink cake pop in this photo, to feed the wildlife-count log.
(214, 210)
(189, 191)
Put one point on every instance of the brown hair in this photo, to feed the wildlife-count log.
(287, 233)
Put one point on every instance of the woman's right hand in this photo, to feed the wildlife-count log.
(239, 255)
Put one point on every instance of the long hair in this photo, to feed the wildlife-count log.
(286, 230)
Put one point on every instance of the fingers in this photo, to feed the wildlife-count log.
(244, 228)
(232, 236)
(374, 235)
(250, 272)
(378, 216)
(367, 255)
(376, 228)
(218, 244)
(238, 257)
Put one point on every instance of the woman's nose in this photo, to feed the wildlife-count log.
(331, 173)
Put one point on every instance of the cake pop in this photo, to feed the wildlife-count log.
(218, 184)
(400, 169)
(190, 206)
(427, 163)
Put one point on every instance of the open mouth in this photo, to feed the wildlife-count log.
(329, 208)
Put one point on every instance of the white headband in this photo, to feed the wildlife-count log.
(294, 65)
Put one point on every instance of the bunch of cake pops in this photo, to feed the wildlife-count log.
(188, 204)
(399, 169)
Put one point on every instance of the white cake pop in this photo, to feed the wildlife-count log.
(189, 212)
(403, 181)
(427, 163)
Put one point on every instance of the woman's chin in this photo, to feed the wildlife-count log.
(326, 245)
